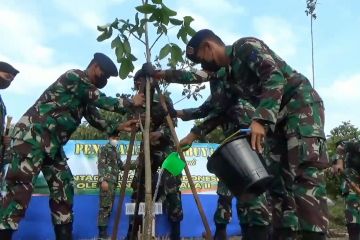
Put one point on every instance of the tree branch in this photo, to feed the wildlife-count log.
(156, 40)
(137, 37)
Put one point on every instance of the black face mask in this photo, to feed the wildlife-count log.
(4, 83)
(210, 66)
(101, 82)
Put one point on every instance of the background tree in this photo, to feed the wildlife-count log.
(310, 11)
(86, 132)
(345, 131)
(216, 136)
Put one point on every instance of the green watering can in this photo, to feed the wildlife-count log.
(173, 163)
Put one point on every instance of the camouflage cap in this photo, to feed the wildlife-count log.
(193, 46)
(106, 64)
(5, 67)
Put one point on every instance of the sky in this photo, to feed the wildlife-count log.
(45, 38)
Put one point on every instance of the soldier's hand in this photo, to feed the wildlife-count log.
(154, 136)
(104, 186)
(257, 136)
(139, 100)
(180, 114)
(6, 141)
(149, 70)
(337, 168)
(129, 125)
(188, 140)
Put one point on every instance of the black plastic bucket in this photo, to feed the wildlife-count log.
(240, 168)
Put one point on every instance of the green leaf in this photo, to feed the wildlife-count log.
(175, 21)
(127, 47)
(119, 52)
(164, 18)
(133, 58)
(115, 23)
(105, 35)
(152, 18)
(188, 20)
(103, 27)
(190, 31)
(164, 29)
(137, 18)
(182, 34)
(157, 1)
(116, 42)
(176, 53)
(125, 68)
(164, 51)
(146, 8)
(168, 11)
(140, 31)
(157, 15)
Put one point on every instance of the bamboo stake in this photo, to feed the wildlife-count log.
(146, 135)
(188, 175)
(135, 224)
(123, 185)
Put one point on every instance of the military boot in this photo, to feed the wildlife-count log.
(256, 232)
(102, 232)
(284, 234)
(5, 234)
(63, 231)
(313, 235)
(354, 231)
(175, 231)
(220, 232)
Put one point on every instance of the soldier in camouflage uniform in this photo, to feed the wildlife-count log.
(348, 156)
(41, 132)
(161, 144)
(109, 166)
(7, 75)
(287, 105)
(254, 215)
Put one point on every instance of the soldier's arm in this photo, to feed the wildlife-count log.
(200, 112)
(104, 171)
(94, 118)
(259, 60)
(89, 94)
(184, 77)
(208, 125)
(340, 157)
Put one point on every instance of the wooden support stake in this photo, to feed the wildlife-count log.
(188, 175)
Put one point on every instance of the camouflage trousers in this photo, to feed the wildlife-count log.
(26, 163)
(352, 208)
(252, 212)
(298, 193)
(352, 199)
(106, 204)
(169, 194)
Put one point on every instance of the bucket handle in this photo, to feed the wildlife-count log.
(241, 130)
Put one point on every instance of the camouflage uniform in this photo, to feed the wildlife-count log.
(38, 138)
(169, 191)
(254, 212)
(349, 152)
(109, 165)
(286, 102)
(2, 128)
